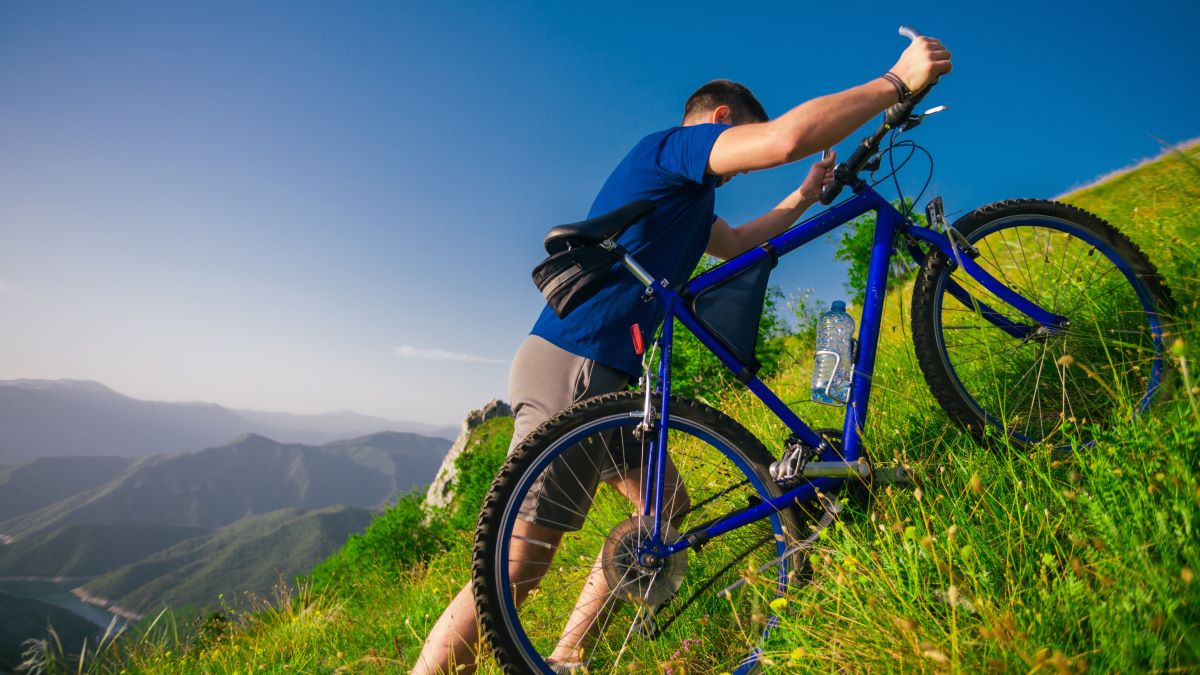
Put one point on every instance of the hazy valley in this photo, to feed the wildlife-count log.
(134, 506)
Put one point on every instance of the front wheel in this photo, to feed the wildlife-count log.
(562, 580)
(1055, 385)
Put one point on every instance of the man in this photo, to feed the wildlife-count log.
(724, 132)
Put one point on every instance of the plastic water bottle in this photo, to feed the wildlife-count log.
(833, 362)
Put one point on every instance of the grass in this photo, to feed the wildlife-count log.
(1002, 559)
(1021, 560)
(1013, 561)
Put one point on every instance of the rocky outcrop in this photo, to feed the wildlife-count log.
(441, 492)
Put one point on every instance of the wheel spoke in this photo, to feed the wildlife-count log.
(570, 606)
(1097, 367)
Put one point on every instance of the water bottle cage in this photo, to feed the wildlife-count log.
(836, 364)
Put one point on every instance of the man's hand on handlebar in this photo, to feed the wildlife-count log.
(922, 63)
(818, 178)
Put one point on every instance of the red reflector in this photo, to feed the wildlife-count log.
(639, 347)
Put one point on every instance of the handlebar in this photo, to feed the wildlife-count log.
(846, 173)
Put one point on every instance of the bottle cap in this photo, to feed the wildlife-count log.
(839, 306)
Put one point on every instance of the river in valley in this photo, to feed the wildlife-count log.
(57, 591)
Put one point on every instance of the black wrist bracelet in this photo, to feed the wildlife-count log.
(902, 89)
(899, 91)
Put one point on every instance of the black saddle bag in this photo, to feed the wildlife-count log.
(569, 278)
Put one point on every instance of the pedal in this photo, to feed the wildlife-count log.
(893, 475)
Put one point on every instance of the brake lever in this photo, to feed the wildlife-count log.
(917, 119)
(896, 116)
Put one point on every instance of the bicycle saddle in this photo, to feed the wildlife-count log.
(595, 230)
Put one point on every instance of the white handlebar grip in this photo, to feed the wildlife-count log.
(910, 32)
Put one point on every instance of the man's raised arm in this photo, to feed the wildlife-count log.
(823, 122)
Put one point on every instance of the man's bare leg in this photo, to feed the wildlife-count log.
(453, 643)
(585, 617)
(454, 638)
(595, 597)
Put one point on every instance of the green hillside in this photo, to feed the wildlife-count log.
(46, 480)
(1002, 561)
(1155, 205)
(88, 550)
(232, 565)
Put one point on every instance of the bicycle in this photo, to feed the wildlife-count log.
(1033, 321)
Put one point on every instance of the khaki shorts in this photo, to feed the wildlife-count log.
(544, 381)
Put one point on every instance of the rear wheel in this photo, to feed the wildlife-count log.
(600, 604)
(1052, 386)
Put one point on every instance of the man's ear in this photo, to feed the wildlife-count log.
(720, 115)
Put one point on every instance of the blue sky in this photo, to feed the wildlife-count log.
(324, 206)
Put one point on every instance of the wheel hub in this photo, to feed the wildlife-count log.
(636, 575)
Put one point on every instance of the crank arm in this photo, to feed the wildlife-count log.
(859, 469)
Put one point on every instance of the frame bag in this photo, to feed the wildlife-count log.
(732, 308)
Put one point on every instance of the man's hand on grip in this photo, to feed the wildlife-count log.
(924, 61)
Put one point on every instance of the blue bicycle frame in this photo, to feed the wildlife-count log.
(889, 225)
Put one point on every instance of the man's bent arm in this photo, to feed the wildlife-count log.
(808, 128)
(725, 242)
(826, 121)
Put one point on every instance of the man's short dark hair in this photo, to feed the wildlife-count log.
(743, 107)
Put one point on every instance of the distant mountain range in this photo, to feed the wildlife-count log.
(49, 418)
(251, 556)
(46, 480)
(157, 506)
(179, 530)
(217, 486)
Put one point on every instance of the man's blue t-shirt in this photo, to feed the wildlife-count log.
(666, 167)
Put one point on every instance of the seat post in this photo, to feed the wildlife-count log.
(627, 260)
